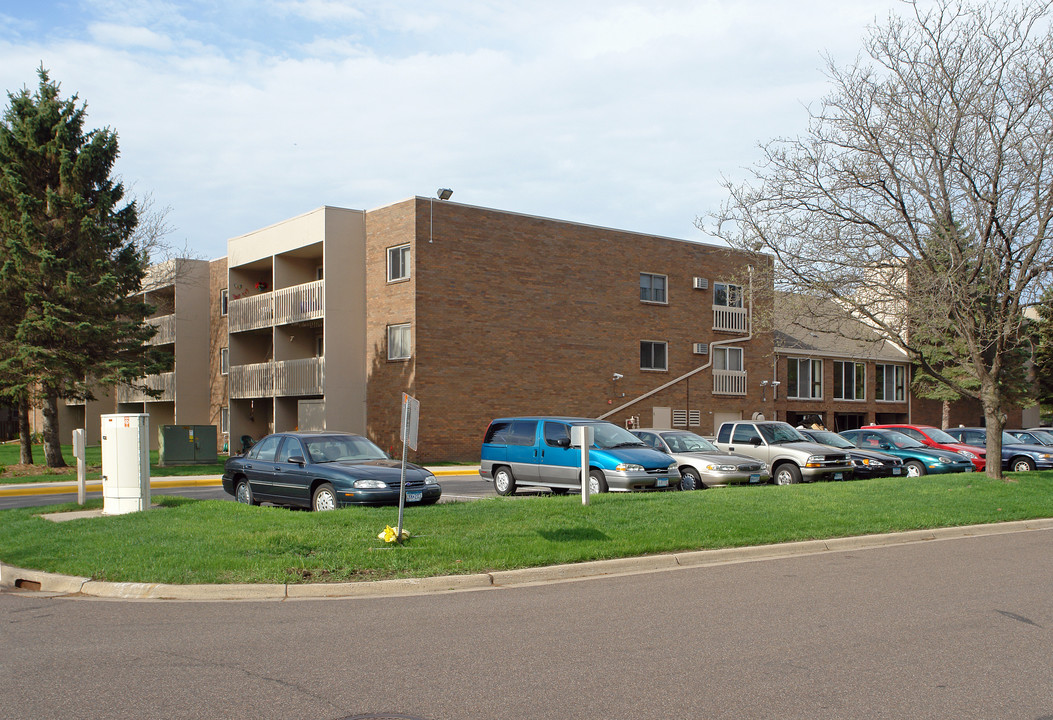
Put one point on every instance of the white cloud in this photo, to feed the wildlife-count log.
(127, 36)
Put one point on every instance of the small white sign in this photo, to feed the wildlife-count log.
(410, 418)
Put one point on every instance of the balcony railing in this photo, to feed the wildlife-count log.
(250, 313)
(729, 382)
(730, 319)
(165, 325)
(299, 303)
(287, 305)
(165, 382)
(278, 379)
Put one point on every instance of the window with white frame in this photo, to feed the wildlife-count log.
(727, 358)
(398, 262)
(652, 287)
(224, 361)
(399, 342)
(727, 295)
(224, 300)
(891, 383)
(224, 420)
(850, 381)
(653, 355)
(804, 379)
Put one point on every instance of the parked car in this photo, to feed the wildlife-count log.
(323, 471)
(700, 462)
(536, 451)
(867, 463)
(934, 437)
(1034, 436)
(918, 459)
(1016, 456)
(790, 456)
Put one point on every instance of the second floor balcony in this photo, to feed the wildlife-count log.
(730, 319)
(298, 303)
(729, 382)
(164, 382)
(284, 378)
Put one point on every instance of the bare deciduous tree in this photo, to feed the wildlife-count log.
(921, 196)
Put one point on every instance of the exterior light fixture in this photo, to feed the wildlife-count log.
(444, 193)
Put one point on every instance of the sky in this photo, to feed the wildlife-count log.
(234, 115)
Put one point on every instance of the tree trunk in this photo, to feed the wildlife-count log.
(994, 421)
(25, 433)
(945, 419)
(52, 444)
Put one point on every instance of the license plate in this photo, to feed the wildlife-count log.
(755, 478)
(414, 496)
(895, 471)
(662, 482)
(839, 476)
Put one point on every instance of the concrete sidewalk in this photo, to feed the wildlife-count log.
(13, 579)
(51, 488)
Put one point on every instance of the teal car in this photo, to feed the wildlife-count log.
(918, 459)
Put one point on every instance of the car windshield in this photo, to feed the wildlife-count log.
(829, 438)
(685, 442)
(332, 448)
(900, 440)
(780, 433)
(940, 436)
(608, 435)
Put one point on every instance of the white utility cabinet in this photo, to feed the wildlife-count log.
(125, 463)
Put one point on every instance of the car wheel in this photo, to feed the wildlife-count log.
(914, 468)
(689, 480)
(243, 493)
(597, 482)
(324, 498)
(504, 483)
(1022, 464)
(786, 474)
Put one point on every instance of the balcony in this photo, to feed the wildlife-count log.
(729, 382)
(278, 379)
(295, 304)
(165, 325)
(165, 382)
(730, 319)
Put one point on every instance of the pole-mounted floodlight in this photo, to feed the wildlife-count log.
(444, 193)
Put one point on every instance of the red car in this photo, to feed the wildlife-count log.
(934, 437)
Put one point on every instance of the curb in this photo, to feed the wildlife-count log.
(21, 579)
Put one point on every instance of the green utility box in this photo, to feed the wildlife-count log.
(186, 445)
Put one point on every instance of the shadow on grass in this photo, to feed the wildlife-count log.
(572, 535)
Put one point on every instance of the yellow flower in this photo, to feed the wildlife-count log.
(389, 534)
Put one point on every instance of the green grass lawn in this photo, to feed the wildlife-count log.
(212, 541)
(93, 461)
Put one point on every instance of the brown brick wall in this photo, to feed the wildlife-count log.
(217, 275)
(525, 315)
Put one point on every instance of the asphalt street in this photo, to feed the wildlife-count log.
(939, 629)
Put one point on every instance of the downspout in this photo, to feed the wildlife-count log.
(697, 370)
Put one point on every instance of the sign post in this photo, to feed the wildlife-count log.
(78, 452)
(583, 436)
(408, 433)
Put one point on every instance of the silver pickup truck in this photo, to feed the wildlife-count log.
(790, 456)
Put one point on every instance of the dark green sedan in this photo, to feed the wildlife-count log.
(324, 471)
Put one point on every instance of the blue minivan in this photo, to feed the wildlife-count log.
(536, 452)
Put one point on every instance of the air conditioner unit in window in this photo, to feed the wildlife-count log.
(701, 283)
(701, 348)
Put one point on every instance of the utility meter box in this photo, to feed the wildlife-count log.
(186, 445)
(125, 463)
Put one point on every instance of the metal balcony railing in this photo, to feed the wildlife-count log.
(278, 379)
(166, 325)
(165, 382)
(730, 319)
(729, 382)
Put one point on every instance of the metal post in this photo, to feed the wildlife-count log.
(402, 479)
(78, 452)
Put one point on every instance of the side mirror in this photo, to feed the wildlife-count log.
(298, 459)
(563, 442)
(756, 442)
(886, 446)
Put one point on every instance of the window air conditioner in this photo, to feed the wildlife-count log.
(701, 348)
(701, 283)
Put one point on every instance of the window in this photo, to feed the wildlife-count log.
(804, 379)
(266, 449)
(890, 383)
(290, 448)
(652, 355)
(398, 263)
(555, 432)
(727, 358)
(319, 272)
(849, 380)
(727, 295)
(224, 299)
(652, 288)
(399, 342)
(319, 346)
(224, 420)
(224, 361)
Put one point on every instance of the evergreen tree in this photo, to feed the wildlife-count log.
(68, 259)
